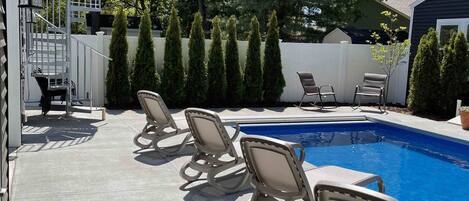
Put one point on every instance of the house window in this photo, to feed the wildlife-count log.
(446, 32)
(446, 27)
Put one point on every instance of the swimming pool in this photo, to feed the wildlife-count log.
(414, 166)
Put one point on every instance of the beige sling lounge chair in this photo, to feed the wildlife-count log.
(278, 173)
(160, 124)
(331, 191)
(216, 151)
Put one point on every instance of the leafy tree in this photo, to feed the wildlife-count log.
(273, 76)
(295, 17)
(234, 77)
(390, 54)
(144, 76)
(172, 83)
(253, 69)
(453, 72)
(196, 85)
(424, 80)
(216, 67)
(117, 82)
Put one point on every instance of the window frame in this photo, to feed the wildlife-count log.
(462, 23)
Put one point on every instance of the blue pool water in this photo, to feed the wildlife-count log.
(414, 166)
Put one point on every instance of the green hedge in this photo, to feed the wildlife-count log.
(117, 80)
(425, 77)
(172, 82)
(196, 85)
(234, 77)
(453, 72)
(253, 69)
(144, 76)
(274, 81)
(216, 68)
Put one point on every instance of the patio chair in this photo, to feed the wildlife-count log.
(277, 172)
(373, 86)
(331, 191)
(216, 151)
(160, 124)
(310, 89)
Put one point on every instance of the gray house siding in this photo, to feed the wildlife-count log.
(426, 15)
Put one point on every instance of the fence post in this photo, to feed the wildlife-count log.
(342, 71)
(100, 71)
(458, 106)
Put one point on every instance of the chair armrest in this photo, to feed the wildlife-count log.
(237, 127)
(357, 87)
(302, 150)
(328, 86)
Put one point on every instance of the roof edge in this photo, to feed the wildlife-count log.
(393, 9)
(416, 3)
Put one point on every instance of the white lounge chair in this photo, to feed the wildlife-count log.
(216, 151)
(278, 173)
(160, 125)
(332, 191)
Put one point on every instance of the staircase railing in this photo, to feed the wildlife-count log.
(47, 57)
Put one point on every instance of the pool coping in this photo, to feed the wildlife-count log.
(442, 130)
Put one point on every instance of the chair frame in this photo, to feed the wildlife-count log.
(157, 131)
(349, 190)
(287, 149)
(380, 95)
(318, 92)
(208, 160)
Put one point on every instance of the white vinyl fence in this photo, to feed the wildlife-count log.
(341, 65)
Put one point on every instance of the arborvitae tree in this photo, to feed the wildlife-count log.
(144, 75)
(453, 72)
(196, 85)
(424, 81)
(117, 82)
(172, 82)
(273, 76)
(234, 77)
(253, 70)
(216, 67)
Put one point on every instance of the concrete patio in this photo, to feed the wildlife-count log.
(84, 158)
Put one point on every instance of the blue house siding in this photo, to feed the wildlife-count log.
(426, 15)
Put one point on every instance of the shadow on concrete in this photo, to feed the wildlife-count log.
(154, 158)
(201, 190)
(42, 133)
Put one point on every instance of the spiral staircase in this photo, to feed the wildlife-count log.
(48, 39)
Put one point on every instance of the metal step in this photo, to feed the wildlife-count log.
(79, 19)
(61, 106)
(51, 40)
(48, 63)
(85, 8)
(48, 75)
(47, 51)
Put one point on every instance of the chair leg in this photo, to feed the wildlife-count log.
(335, 101)
(184, 175)
(380, 103)
(301, 102)
(320, 100)
(139, 144)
